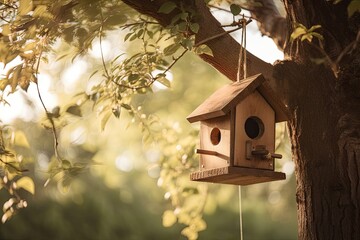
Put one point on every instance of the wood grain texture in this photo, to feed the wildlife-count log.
(254, 106)
(236, 175)
(222, 148)
(226, 98)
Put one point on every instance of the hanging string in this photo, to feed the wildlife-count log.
(242, 69)
(242, 53)
(240, 215)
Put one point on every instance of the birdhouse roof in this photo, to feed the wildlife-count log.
(223, 100)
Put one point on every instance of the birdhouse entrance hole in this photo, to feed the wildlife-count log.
(215, 136)
(254, 127)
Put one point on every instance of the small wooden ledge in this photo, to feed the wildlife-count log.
(237, 175)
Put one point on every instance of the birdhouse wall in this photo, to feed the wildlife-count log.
(257, 110)
(215, 137)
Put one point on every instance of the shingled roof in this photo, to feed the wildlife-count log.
(223, 100)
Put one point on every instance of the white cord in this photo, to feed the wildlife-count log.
(240, 215)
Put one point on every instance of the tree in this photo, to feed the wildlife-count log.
(322, 98)
(318, 80)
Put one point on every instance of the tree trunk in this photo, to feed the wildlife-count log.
(326, 150)
(325, 124)
(325, 129)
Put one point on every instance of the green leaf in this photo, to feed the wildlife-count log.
(164, 81)
(127, 36)
(65, 164)
(21, 140)
(190, 233)
(204, 49)
(104, 120)
(116, 110)
(8, 204)
(182, 27)
(308, 37)
(42, 11)
(30, 46)
(195, 27)
(171, 49)
(6, 30)
(168, 218)
(27, 184)
(93, 73)
(314, 28)
(74, 110)
(317, 35)
(235, 9)
(126, 106)
(353, 7)
(133, 77)
(25, 6)
(3, 83)
(188, 43)
(55, 112)
(167, 7)
(15, 77)
(6, 216)
(297, 33)
(199, 223)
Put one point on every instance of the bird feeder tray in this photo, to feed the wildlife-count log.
(236, 176)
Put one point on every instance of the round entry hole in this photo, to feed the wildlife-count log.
(254, 127)
(215, 136)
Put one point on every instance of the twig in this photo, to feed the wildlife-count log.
(48, 114)
(228, 11)
(8, 5)
(138, 23)
(4, 19)
(219, 35)
(12, 166)
(175, 61)
(100, 42)
(349, 48)
(153, 79)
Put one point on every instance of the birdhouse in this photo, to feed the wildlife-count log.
(237, 133)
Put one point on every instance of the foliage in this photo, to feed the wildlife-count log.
(11, 173)
(31, 32)
(303, 33)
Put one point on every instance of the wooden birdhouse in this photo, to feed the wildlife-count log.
(237, 133)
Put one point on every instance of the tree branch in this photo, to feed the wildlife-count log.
(225, 49)
(270, 22)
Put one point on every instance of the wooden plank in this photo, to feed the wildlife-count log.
(213, 153)
(222, 148)
(254, 106)
(224, 99)
(237, 176)
(281, 111)
(232, 136)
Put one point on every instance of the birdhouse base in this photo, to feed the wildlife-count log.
(237, 175)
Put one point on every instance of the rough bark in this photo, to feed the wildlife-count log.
(224, 48)
(325, 127)
(324, 131)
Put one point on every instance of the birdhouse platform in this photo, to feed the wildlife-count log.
(237, 133)
(237, 176)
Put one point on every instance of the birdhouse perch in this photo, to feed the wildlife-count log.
(237, 133)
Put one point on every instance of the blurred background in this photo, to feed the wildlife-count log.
(119, 195)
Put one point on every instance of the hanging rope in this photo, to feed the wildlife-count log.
(240, 215)
(242, 53)
(242, 70)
